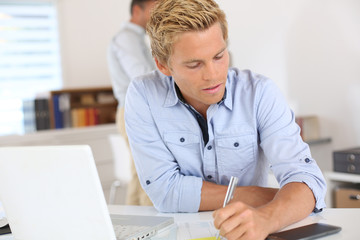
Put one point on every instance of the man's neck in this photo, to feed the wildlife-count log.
(134, 21)
(202, 109)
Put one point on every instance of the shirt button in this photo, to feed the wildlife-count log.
(147, 182)
(182, 139)
(209, 147)
(236, 144)
(307, 160)
(209, 177)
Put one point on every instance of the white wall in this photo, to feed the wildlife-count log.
(311, 49)
(86, 28)
(323, 63)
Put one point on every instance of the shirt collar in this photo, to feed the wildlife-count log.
(228, 101)
(171, 97)
(136, 28)
(174, 95)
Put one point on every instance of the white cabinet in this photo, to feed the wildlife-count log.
(337, 179)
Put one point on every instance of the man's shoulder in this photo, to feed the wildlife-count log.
(246, 78)
(154, 87)
(151, 80)
(128, 33)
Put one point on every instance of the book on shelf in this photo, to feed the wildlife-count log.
(61, 111)
(87, 99)
(58, 115)
(92, 116)
(309, 127)
(29, 119)
(82, 117)
(105, 98)
(64, 106)
(42, 115)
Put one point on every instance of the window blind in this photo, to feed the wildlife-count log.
(29, 58)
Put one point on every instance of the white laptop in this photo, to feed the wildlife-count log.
(54, 192)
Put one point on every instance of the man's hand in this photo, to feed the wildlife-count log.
(240, 221)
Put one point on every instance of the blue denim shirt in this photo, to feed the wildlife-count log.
(252, 130)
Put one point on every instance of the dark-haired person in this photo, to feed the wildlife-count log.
(128, 57)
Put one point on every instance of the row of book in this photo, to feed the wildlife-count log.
(37, 114)
(85, 113)
(82, 117)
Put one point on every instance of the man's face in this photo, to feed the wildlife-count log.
(199, 65)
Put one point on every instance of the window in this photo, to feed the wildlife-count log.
(29, 58)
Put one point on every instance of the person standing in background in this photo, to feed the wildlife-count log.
(128, 57)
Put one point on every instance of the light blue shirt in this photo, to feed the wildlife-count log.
(252, 130)
(128, 56)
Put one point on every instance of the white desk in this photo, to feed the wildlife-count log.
(347, 218)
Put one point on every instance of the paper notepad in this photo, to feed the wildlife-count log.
(205, 238)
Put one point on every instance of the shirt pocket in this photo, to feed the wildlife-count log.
(183, 145)
(235, 154)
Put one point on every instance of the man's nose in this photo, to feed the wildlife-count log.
(210, 71)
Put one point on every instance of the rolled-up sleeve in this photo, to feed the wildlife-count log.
(289, 157)
(158, 170)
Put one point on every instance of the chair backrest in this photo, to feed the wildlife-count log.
(121, 157)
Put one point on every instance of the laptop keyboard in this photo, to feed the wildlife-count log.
(125, 231)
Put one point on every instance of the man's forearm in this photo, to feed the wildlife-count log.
(293, 202)
(213, 195)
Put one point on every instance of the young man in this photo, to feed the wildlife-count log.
(128, 57)
(197, 123)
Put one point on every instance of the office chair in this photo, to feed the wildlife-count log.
(122, 160)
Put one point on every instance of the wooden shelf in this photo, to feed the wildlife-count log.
(94, 105)
(79, 107)
(319, 141)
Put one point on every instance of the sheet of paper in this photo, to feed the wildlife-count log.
(206, 238)
(203, 230)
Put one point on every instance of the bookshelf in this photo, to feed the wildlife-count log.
(80, 107)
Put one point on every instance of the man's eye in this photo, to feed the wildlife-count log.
(219, 57)
(192, 66)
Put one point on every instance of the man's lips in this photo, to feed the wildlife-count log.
(213, 89)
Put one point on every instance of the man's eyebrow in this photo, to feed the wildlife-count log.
(192, 61)
(222, 50)
(199, 60)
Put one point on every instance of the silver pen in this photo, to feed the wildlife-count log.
(229, 195)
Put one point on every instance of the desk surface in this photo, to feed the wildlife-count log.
(347, 218)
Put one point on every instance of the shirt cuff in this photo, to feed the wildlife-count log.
(318, 188)
(190, 197)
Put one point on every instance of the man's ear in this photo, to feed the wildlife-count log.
(163, 68)
(136, 10)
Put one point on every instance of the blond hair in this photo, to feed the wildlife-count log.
(169, 18)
